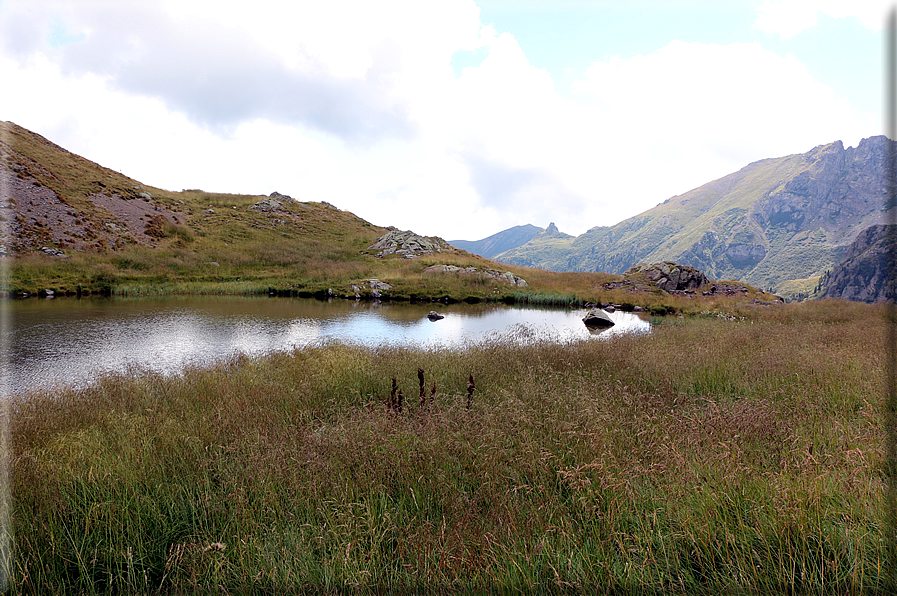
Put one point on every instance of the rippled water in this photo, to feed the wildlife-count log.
(68, 341)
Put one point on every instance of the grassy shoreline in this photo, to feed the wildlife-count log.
(142, 272)
(713, 455)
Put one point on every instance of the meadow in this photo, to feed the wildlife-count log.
(737, 451)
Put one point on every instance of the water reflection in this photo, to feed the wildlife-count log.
(68, 341)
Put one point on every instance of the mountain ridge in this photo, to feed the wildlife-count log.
(499, 242)
(773, 221)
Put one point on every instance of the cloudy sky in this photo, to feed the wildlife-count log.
(456, 118)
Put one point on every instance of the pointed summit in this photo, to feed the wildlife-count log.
(552, 231)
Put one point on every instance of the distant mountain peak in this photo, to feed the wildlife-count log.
(552, 231)
(778, 222)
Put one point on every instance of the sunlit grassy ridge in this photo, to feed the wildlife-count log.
(121, 237)
(712, 455)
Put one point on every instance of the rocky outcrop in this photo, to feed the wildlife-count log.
(506, 276)
(267, 205)
(407, 243)
(863, 273)
(667, 276)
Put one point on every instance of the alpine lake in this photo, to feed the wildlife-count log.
(70, 341)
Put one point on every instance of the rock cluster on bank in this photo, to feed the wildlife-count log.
(376, 288)
(675, 279)
(668, 276)
(505, 276)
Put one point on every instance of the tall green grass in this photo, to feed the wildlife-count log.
(714, 456)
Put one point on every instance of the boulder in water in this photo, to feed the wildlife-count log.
(597, 318)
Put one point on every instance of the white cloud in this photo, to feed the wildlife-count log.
(788, 18)
(357, 104)
(691, 113)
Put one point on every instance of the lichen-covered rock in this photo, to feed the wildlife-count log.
(268, 205)
(406, 243)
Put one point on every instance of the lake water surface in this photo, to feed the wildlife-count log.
(68, 341)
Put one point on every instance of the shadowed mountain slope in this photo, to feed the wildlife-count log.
(864, 273)
(499, 242)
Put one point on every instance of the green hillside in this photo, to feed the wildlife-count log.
(770, 224)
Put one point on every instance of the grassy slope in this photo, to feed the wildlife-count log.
(671, 227)
(305, 248)
(736, 456)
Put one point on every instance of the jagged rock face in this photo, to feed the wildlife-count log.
(743, 254)
(863, 274)
(406, 243)
(840, 186)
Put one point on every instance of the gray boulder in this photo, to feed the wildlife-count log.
(597, 318)
(508, 277)
(53, 252)
(269, 204)
(407, 244)
(376, 284)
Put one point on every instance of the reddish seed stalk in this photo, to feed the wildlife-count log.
(420, 378)
(470, 387)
